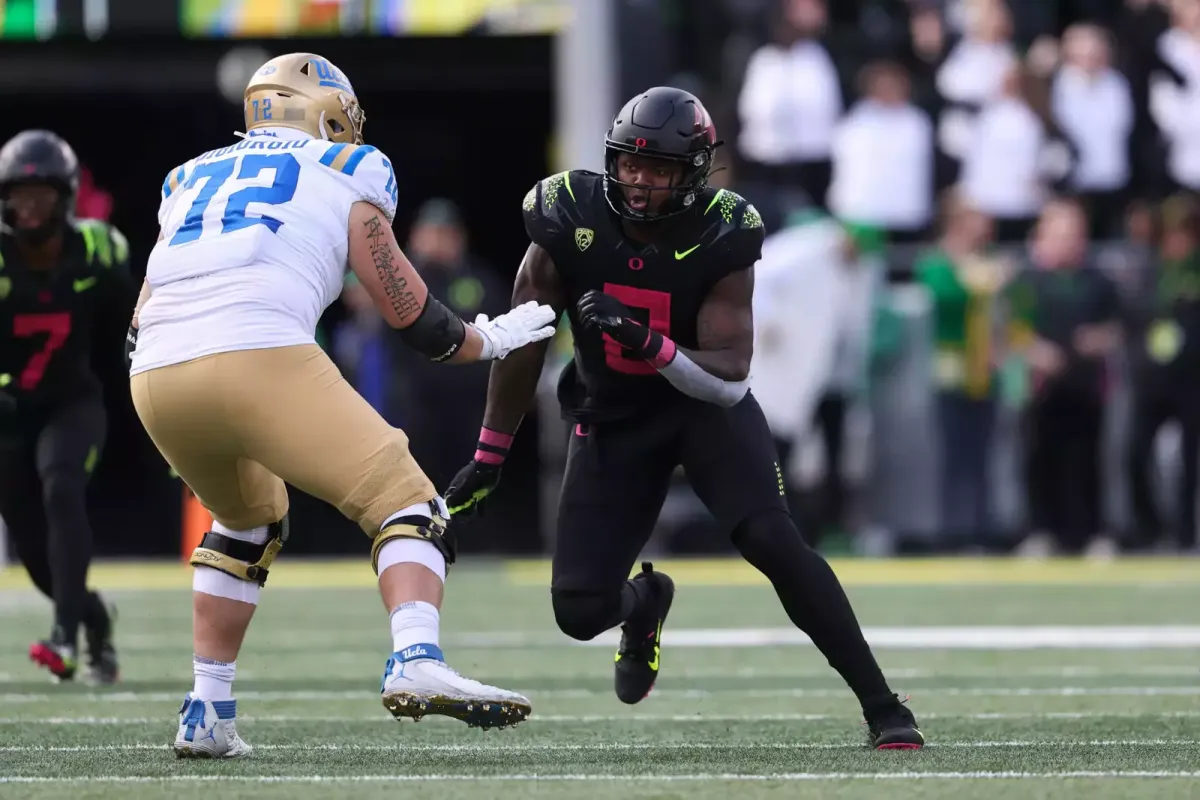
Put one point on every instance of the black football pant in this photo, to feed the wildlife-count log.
(1154, 404)
(617, 478)
(45, 464)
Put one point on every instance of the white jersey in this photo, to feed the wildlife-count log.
(253, 244)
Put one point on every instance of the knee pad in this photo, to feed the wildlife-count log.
(584, 615)
(243, 560)
(434, 529)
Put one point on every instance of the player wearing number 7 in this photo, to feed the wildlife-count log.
(237, 396)
(63, 285)
(656, 271)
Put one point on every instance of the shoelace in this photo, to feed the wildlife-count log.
(903, 702)
(636, 649)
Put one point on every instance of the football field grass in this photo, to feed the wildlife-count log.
(1062, 679)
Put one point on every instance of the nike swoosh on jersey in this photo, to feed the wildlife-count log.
(679, 256)
(84, 284)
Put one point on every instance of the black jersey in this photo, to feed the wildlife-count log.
(664, 284)
(47, 317)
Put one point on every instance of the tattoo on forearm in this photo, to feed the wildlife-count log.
(403, 301)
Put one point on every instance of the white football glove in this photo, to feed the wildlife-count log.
(525, 324)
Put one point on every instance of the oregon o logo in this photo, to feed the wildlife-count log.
(640, 142)
(635, 263)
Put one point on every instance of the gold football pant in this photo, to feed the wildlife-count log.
(237, 425)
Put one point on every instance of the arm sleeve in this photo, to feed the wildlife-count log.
(369, 173)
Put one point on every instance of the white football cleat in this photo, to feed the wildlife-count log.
(417, 681)
(206, 730)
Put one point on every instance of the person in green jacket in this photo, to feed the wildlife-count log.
(964, 282)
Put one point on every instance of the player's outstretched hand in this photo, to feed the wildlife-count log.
(527, 323)
(470, 488)
(605, 313)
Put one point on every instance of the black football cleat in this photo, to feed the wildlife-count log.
(102, 668)
(893, 727)
(641, 639)
(56, 655)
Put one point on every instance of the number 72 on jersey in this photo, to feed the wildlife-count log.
(247, 167)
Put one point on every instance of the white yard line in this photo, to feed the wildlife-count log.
(600, 747)
(649, 778)
(983, 637)
(901, 673)
(695, 694)
(537, 719)
(942, 637)
(780, 672)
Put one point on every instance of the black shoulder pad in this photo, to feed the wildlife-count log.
(742, 232)
(548, 208)
(105, 245)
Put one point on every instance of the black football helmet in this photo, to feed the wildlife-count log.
(37, 156)
(668, 123)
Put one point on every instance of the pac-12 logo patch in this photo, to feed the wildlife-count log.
(584, 237)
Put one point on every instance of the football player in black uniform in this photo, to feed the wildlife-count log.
(656, 272)
(59, 279)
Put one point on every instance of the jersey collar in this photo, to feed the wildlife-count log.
(277, 133)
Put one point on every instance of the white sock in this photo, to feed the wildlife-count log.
(414, 622)
(214, 679)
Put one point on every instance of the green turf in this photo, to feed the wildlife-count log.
(1046, 723)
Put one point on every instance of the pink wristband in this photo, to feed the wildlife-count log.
(666, 354)
(493, 446)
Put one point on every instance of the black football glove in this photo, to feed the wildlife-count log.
(8, 404)
(130, 345)
(605, 313)
(473, 483)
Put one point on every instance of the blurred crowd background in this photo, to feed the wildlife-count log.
(978, 308)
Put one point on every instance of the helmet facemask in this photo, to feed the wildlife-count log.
(697, 166)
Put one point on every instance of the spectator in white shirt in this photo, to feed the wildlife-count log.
(1093, 106)
(791, 99)
(883, 158)
(1176, 108)
(1010, 161)
(972, 75)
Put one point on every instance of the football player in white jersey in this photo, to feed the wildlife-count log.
(237, 396)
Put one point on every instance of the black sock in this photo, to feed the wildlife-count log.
(813, 598)
(635, 598)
